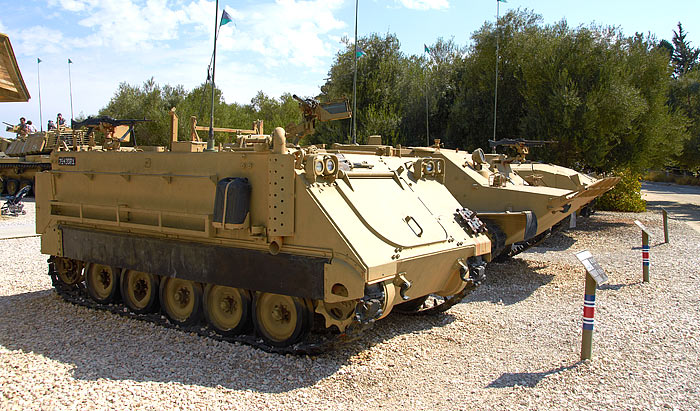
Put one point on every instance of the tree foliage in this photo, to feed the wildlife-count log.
(684, 95)
(153, 102)
(683, 56)
(610, 101)
(602, 96)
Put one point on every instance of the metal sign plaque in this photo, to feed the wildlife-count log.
(66, 161)
(640, 225)
(592, 266)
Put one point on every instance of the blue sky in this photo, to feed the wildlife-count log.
(274, 46)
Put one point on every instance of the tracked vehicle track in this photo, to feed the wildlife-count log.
(319, 342)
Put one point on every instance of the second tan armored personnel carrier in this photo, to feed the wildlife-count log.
(28, 155)
(12, 89)
(518, 215)
(259, 236)
(551, 175)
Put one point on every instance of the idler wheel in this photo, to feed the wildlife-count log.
(181, 300)
(70, 272)
(140, 291)
(102, 282)
(282, 320)
(227, 309)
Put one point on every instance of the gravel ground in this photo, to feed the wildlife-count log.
(28, 218)
(513, 344)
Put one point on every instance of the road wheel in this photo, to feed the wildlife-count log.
(102, 282)
(11, 186)
(282, 320)
(181, 300)
(227, 309)
(70, 271)
(140, 291)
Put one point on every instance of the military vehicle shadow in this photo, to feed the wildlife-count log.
(558, 241)
(510, 282)
(526, 379)
(593, 224)
(102, 345)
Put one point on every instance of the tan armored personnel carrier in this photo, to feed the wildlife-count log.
(517, 213)
(551, 175)
(28, 155)
(12, 89)
(258, 235)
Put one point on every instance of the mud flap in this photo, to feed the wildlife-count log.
(530, 225)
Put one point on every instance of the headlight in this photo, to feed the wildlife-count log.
(330, 165)
(318, 167)
(429, 167)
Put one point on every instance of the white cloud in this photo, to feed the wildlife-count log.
(294, 31)
(425, 4)
(71, 5)
(275, 46)
(286, 31)
(33, 40)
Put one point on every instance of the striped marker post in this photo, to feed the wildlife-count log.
(594, 275)
(665, 216)
(588, 314)
(645, 256)
(645, 251)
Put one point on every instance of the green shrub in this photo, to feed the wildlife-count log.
(626, 196)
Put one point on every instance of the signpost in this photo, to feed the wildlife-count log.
(645, 251)
(665, 215)
(594, 275)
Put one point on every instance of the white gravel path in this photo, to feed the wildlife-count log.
(514, 344)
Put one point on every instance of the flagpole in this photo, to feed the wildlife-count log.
(427, 126)
(210, 140)
(495, 93)
(70, 85)
(354, 83)
(38, 79)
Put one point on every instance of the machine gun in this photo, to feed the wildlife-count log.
(11, 128)
(116, 131)
(313, 110)
(521, 145)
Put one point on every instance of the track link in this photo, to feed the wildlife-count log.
(319, 343)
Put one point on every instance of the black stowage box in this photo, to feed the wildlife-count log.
(232, 201)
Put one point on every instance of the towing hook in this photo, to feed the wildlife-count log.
(463, 270)
(478, 273)
(471, 273)
(403, 284)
